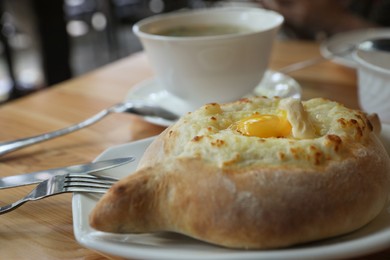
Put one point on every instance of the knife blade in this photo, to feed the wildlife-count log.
(36, 177)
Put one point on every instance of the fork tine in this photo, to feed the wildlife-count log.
(91, 176)
(88, 189)
(88, 183)
(73, 179)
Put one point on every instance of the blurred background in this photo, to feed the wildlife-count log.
(44, 42)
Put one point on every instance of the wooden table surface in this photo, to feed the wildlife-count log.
(43, 229)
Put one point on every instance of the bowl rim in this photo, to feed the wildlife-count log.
(279, 19)
(368, 65)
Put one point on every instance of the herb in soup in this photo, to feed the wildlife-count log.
(202, 30)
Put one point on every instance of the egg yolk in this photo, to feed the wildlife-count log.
(264, 126)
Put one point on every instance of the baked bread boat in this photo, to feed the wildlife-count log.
(256, 174)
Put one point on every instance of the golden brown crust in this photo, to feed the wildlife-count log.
(257, 205)
(374, 121)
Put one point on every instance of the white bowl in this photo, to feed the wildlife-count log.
(374, 82)
(217, 68)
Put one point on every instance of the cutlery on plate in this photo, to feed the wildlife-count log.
(140, 108)
(64, 183)
(369, 45)
(316, 60)
(36, 177)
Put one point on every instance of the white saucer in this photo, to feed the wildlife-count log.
(342, 41)
(273, 84)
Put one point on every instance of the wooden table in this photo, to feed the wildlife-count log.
(43, 229)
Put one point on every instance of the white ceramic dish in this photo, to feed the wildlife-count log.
(273, 84)
(342, 41)
(373, 81)
(372, 238)
(199, 69)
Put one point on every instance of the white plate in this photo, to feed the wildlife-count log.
(342, 41)
(372, 238)
(273, 84)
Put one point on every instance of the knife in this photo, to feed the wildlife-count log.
(36, 177)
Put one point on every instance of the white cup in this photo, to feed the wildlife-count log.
(374, 82)
(216, 68)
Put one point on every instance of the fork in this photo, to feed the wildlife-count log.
(58, 184)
